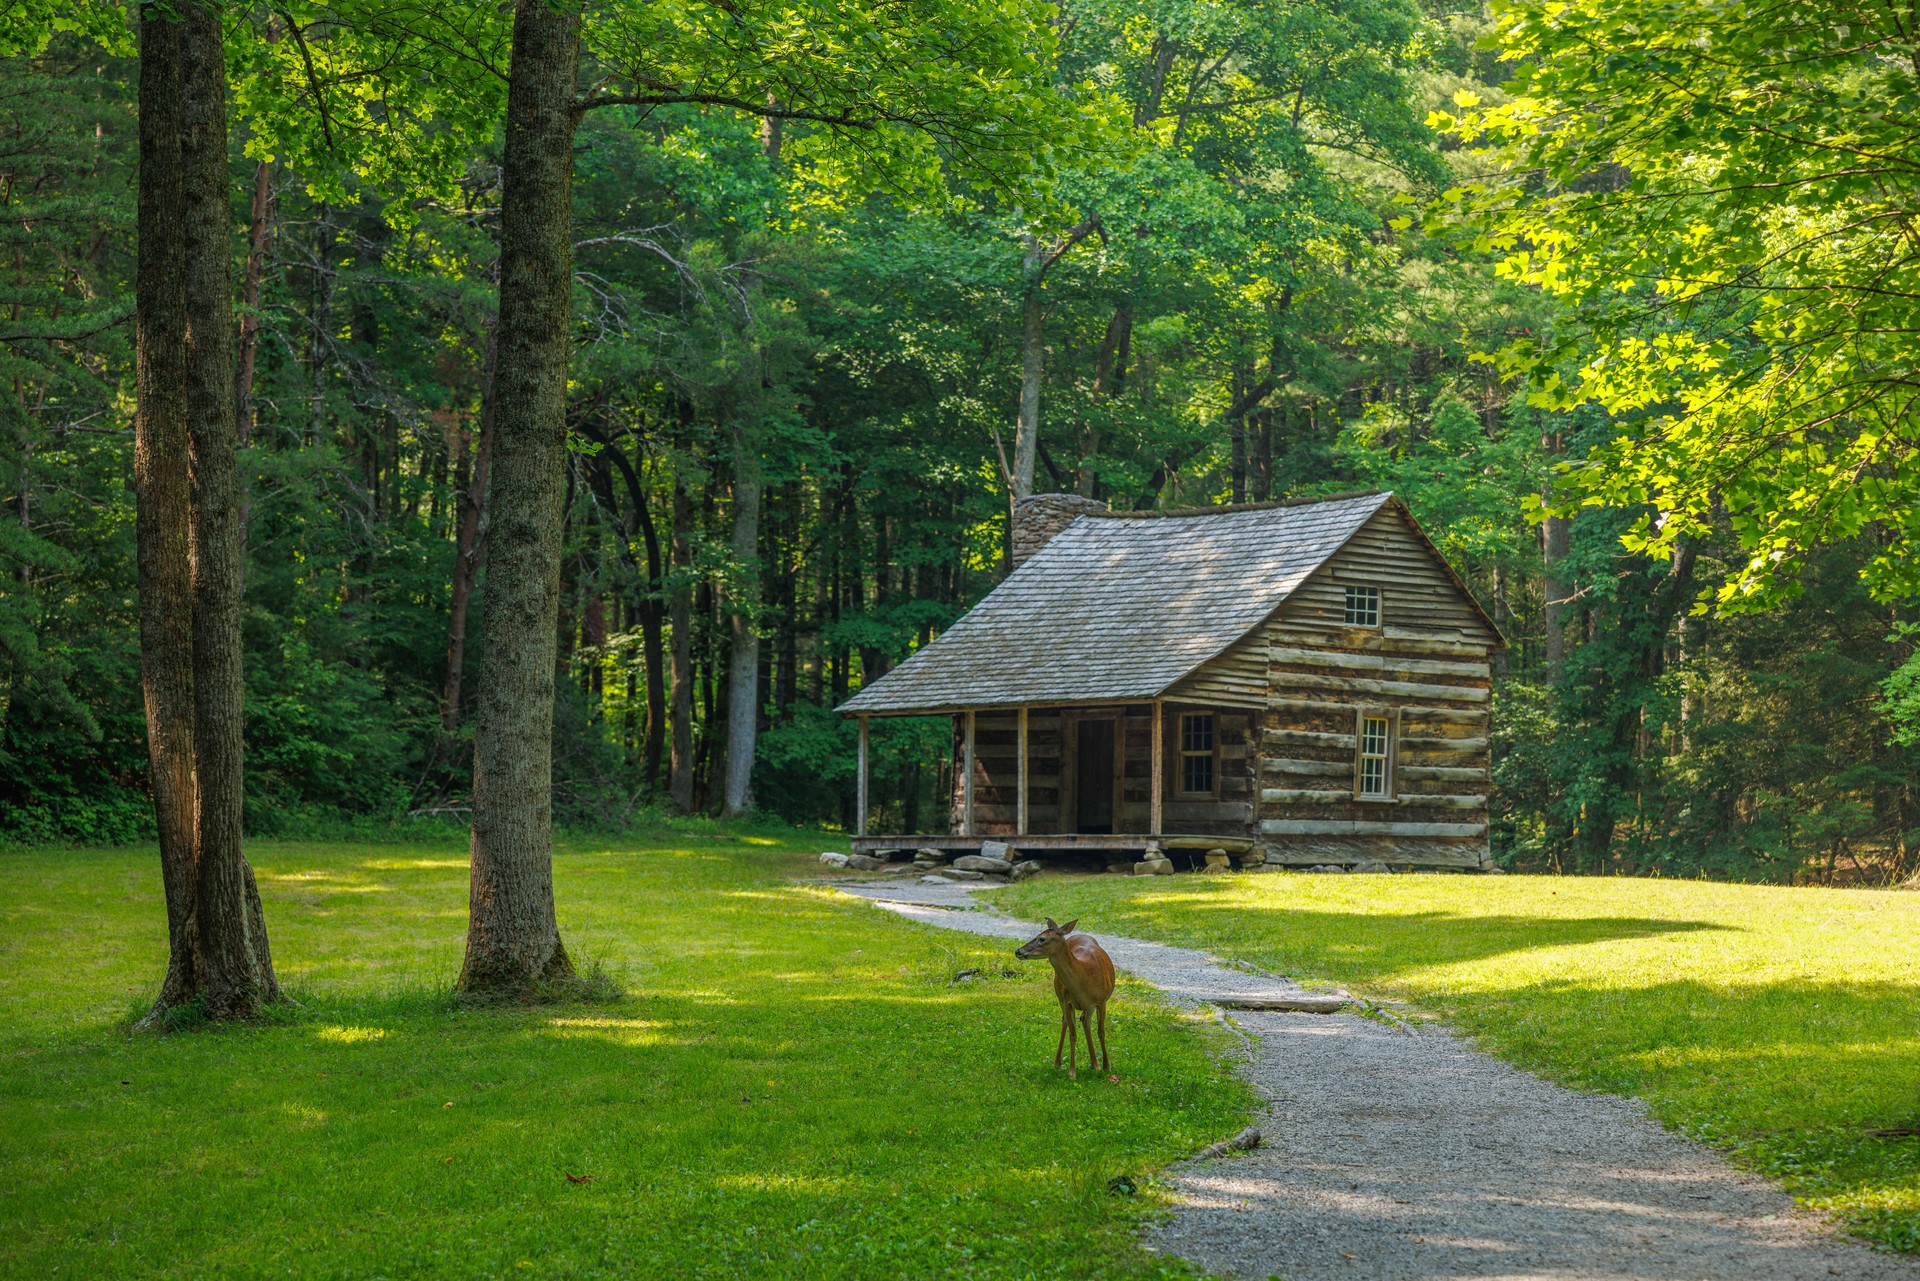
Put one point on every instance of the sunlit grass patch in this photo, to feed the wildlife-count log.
(792, 1084)
(1782, 1024)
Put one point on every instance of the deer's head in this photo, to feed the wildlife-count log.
(1051, 941)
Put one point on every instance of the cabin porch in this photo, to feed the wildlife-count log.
(1057, 842)
(1092, 778)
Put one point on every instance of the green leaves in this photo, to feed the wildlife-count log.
(1733, 237)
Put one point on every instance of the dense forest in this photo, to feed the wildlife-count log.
(803, 385)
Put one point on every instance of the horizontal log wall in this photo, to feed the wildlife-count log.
(1428, 663)
(996, 771)
(1230, 811)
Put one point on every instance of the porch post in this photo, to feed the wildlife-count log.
(1020, 820)
(966, 787)
(1159, 773)
(860, 826)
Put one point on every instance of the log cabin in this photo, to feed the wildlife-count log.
(1301, 682)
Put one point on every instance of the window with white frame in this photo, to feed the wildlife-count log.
(1196, 753)
(1376, 756)
(1363, 607)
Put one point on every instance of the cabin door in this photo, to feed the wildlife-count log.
(1093, 777)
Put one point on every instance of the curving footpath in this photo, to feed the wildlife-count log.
(1392, 1154)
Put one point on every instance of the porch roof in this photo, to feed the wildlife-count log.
(1121, 606)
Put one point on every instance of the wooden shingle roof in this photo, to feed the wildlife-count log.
(1120, 607)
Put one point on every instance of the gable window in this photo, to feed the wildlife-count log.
(1363, 607)
(1196, 753)
(1374, 757)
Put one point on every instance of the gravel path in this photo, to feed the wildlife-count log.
(1399, 1155)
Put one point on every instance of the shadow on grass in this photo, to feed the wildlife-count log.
(1371, 944)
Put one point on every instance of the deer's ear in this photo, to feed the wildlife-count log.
(1068, 927)
(1051, 925)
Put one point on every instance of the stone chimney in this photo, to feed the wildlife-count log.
(1038, 518)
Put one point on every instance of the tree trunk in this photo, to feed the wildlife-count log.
(259, 226)
(648, 606)
(1554, 534)
(236, 960)
(163, 494)
(1261, 465)
(680, 628)
(651, 644)
(743, 658)
(322, 335)
(1237, 461)
(1032, 369)
(873, 659)
(1109, 375)
(467, 546)
(513, 941)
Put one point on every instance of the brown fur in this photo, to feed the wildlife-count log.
(1083, 982)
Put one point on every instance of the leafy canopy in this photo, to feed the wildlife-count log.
(1724, 195)
(905, 96)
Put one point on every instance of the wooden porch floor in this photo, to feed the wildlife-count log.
(1074, 842)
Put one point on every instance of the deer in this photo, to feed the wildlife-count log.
(1082, 979)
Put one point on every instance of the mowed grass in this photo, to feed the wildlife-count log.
(793, 1087)
(1778, 1023)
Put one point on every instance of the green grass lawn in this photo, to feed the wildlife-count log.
(794, 1086)
(1778, 1023)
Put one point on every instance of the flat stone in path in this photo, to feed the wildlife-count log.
(1399, 1155)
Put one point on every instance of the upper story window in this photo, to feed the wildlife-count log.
(1363, 607)
(1196, 753)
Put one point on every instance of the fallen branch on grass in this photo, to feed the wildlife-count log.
(1244, 1141)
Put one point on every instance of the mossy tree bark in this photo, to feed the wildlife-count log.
(513, 941)
(237, 964)
(162, 492)
(186, 481)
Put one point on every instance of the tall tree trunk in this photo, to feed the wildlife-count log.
(237, 962)
(513, 941)
(322, 335)
(1109, 375)
(259, 227)
(786, 681)
(466, 544)
(743, 656)
(648, 608)
(1033, 354)
(163, 493)
(1261, 466)
(1554, 537)
(680, 629)
(651, 644)
(1237, 462)
(873, 659)
(1026, 441)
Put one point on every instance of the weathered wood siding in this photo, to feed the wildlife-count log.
(1237, 678)
(996, 771)
(1428, 663)
(1229, 811)
(1053, 768)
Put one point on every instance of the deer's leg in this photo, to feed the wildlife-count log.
(1106, 1064)
(1086, 1025)
(1073, 1054)
(1065, 1019)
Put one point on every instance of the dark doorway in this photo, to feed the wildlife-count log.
(1093, 771)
